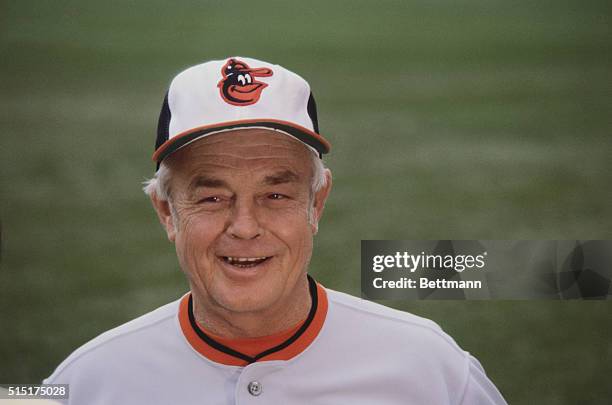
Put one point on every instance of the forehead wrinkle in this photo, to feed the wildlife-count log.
(220, 164)
(248, 151)
(220, 156)
(216, 174)
(247, 143)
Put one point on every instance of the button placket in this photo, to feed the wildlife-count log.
(250, 385)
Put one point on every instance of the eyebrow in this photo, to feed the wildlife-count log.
(207, 182)
(285, 176)
(282, 177)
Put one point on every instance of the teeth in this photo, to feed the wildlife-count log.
(244, 262)
(244, 259)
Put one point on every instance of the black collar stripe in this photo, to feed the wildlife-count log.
(252, 359)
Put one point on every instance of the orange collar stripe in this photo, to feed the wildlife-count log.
(257, 345)
(254, 346)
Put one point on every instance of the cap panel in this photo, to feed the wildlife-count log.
(192, 99)
(285, 99)
(312, 112)
(196, 99)
(163, 123)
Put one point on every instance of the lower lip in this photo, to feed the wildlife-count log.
(242, 273)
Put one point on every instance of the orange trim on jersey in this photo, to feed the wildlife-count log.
(229, 124)
(255, 345)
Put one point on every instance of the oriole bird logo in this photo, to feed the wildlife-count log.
(239, 85)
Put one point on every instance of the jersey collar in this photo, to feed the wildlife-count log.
(282, 346)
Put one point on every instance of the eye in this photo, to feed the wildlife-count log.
(248, 78)
(277, 196)
(209, 200)
(241, 79)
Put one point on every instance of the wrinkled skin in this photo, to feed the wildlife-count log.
(244, 194)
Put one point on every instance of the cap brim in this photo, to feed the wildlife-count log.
(303, 134)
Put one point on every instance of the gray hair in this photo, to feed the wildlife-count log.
(160, 183)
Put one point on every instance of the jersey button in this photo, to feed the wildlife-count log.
(255, 388)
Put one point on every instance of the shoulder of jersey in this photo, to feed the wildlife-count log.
(379, 316)
(129, 330)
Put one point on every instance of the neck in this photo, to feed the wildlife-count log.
(278, 317)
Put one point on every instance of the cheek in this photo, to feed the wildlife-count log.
(195, 236)
(295, 231)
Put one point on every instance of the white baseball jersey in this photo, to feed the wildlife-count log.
(348, 351)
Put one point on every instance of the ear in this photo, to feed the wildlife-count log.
(164, 213)
(320, 198)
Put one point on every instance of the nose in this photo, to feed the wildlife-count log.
(243, 223)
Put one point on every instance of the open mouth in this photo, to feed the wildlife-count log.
(245, 262)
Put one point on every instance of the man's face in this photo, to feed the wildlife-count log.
(240, 222)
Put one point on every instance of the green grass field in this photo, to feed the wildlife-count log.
(449, 120)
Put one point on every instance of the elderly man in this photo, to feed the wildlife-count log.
(240, 190)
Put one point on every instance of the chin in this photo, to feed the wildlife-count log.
(251, 302)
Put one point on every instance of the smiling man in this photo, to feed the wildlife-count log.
(241, 211)
(240, 190)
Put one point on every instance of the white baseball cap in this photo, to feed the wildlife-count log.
(234, 93)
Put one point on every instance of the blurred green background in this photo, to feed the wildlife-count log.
(449, 120)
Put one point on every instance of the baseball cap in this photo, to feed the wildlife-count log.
(235, 93)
